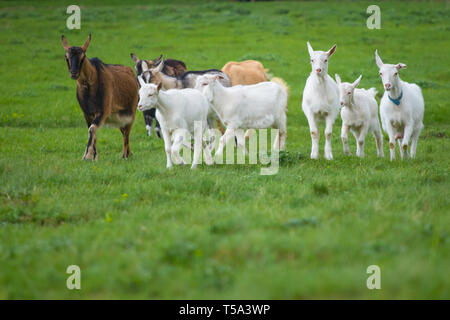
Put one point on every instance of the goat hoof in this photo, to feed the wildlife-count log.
(127, 155)
(88, 157)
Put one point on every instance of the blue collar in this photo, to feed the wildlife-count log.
(396, 101)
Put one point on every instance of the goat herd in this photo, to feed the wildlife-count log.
(239, 97)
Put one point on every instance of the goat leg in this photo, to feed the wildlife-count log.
(91, 150)
(126, 140)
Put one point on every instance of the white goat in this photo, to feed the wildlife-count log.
(257, 106)
(359, 114)
(401, 109)
(320, 100)
(176, 111)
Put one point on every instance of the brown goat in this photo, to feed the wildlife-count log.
(245, 72)
(107, 94)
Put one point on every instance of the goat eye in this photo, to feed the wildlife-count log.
(395, 73)
(348, 92)
(326, 60)
(312, 60)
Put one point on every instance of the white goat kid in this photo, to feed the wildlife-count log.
(177, 111)
(359, 114)
(320, 100)
(401, 109)
(257, 106)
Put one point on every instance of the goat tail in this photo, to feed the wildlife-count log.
(282, 83)
(372, 91)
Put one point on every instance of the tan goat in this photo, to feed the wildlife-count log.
(245, 72)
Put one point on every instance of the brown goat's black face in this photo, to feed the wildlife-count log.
(74, 58)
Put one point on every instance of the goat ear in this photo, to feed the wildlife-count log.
(157, 60)
(144, 65)
(64, 43)
(133, 56)
(332, 50)
(141, 80)
(160, 66)
(86, 43)
(356, 83)
(400, 66)
(338, 79)
(310, 49)
(378, 59)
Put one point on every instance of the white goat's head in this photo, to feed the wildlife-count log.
(204, 82)
(319, 60)
(346, 90)
(388, 72)
(148, 95)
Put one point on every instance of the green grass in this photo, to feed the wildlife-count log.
(138, 230)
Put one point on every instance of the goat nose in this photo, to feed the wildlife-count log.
(318, 70)
(342, 103)
(387, 85)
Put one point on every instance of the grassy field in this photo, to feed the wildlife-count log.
(138, 230)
